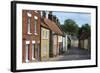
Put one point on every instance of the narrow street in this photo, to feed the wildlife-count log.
(73, 54)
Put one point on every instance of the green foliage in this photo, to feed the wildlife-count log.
(70, 27)
(84, 28)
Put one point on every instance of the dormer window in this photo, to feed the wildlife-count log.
(29, 23)
(35, 24)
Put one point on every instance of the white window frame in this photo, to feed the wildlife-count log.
(45, 33)
(27, 43)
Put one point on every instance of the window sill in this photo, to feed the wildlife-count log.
(29, 33)
(35, 34)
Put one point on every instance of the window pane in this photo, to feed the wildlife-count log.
(29, 22)
(46, 35)
(27, 54)
(35, 24)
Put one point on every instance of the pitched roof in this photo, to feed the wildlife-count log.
(84, 35)
(44, 25)
(53, 26)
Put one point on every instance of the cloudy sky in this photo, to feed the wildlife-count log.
(79, 18)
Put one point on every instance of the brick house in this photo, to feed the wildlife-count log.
(30, 36)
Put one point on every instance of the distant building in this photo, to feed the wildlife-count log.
(73, 41)
(85, 40)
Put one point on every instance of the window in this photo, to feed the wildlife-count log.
(35, 24)
(27, 51)
(28, 23)
(46, 35)
(43, 34)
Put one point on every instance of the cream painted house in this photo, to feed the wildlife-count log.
(45, 43)
(74, 41)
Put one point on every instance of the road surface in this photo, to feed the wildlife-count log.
(73, 54)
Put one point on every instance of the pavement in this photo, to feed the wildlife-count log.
(73, 54)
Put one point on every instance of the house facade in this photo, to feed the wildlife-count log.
(60, 44)
(45, 42)
(65, 43)
(74, 41)
(85, 41)
(30, 36)
(55, 45)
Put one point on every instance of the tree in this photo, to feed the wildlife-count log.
(70, 27)
(63, 28)
(44, 14)
(85, 28)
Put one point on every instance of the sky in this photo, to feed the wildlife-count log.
(79, 18)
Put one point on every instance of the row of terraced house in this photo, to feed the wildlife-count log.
(42, 36)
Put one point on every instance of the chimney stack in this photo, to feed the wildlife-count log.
(43, 14)
(50, 15)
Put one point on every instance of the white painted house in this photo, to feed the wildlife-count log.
(65, 43)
